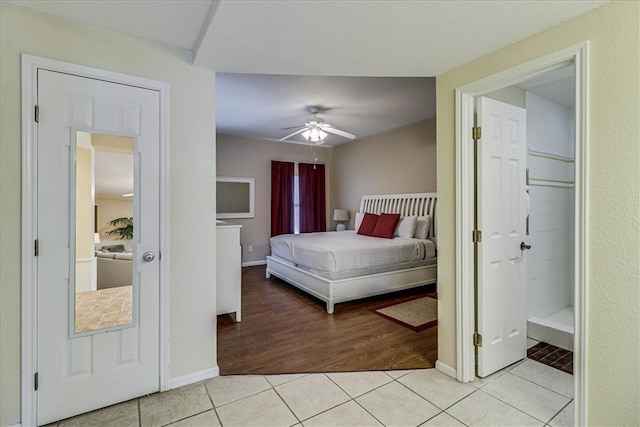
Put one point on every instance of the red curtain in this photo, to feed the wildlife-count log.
(281, 198)
(313, 214)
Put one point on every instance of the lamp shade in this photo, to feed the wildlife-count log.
(340, 215)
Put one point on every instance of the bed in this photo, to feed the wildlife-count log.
(323, 267)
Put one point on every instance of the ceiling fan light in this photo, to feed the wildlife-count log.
(315, 134)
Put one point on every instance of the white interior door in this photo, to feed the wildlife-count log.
(82, 371)
(501, 215)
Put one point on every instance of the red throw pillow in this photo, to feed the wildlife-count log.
(386, 225)
(368, 224)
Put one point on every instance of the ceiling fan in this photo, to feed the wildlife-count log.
(317, 130)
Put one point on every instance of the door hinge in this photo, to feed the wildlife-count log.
(476, 132)
(35, 381)
(477, 339)
(37, 114)
(36, 247)
(477, 236)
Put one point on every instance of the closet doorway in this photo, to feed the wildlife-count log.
(466, 285)
(540, 201)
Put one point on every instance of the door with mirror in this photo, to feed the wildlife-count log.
(97, 215)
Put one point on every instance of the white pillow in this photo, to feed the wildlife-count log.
(359, 218)
(422, 227)
(406, 227)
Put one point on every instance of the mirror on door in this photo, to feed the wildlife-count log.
(104, 286)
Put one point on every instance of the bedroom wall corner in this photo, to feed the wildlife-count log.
(613, 32)
(402, 160)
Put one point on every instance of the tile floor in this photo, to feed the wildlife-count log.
(525, 394)
(104, 308)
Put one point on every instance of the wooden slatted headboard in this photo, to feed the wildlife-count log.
(412, 204)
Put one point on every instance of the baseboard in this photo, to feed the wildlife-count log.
(194, 377)
(252, 263)
(446, 369)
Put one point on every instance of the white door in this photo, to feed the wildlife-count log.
(501, 216)
(82, 371)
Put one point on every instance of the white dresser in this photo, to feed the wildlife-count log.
(228, 269)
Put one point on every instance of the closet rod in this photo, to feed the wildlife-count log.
(555, 182)
(550, 156)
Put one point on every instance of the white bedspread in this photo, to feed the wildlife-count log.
(341, 251)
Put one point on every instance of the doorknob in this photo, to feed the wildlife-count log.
(148, 256)
(524, 246)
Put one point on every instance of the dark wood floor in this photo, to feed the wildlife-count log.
(284, 330)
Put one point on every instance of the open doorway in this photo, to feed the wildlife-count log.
(465, 172)
(354, 168)
(549, 193)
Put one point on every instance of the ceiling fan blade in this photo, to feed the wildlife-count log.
(292, 127)
(294, 133)
(334, 130)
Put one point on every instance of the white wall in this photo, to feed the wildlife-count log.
(551, 216)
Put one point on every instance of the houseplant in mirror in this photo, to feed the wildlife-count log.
(123, 228)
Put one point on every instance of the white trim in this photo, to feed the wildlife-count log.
(30, 65)
(465, 267)
(252, 263)
(581, 267)
(28, 262)
(194, 377)
(446, 369)
(165, 232)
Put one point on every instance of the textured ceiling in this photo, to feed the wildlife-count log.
(305, 39)
(174, 22)
(260, 106)
(370, 38)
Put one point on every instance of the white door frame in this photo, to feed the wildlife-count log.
(29, 285)
(465, 266)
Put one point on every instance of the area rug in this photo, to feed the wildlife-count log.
(553, 356)
(417, 314)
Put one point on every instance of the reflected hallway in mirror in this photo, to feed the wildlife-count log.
(104, 285)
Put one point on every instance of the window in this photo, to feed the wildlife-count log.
(296, 202)
(297, 198)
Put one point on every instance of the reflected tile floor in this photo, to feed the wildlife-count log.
(527, 393)
(104, 308)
